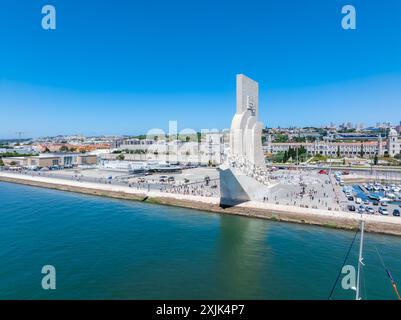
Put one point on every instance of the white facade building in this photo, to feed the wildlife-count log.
(368, 149)
(393, 143)
(210, 150)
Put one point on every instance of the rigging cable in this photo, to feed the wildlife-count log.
(345, 260)
(389, 275)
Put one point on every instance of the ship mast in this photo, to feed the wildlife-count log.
(360, 263)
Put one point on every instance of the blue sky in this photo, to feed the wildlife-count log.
(124, 67)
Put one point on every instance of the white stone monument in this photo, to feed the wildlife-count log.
(246, 130)
(243, 177)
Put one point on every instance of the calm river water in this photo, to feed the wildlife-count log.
(114, 249)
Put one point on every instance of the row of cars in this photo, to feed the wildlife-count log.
(370, 210)
(367, 206)
(337, 176)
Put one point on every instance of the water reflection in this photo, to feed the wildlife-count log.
(243, 256)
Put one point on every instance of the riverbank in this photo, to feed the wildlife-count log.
(333, 219)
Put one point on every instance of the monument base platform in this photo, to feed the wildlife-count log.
(236, 187)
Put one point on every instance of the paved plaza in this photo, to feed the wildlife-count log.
(304, 189)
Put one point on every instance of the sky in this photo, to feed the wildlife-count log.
(125, 67)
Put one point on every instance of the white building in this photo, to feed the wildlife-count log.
(345, 149)
(210, 150)
(393, 143)
(368, 149)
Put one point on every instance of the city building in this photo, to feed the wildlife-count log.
(210, 150)
(352, 149)
(60, 147)
(394, 143)
(367, 149)
(51, 160)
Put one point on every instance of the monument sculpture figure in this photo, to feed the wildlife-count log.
(243, 176)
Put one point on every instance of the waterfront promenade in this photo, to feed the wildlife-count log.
(277, 212)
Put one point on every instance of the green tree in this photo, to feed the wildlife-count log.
(376, 160)
(299, 139)
(281, 138)
(338, 152)
(292, 153)
(120, 157)
(285, 157)
(64, 149)
(302, 154)
(1, 163)
(362, 152)
(278, 157)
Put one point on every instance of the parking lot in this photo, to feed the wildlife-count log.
(359, 202)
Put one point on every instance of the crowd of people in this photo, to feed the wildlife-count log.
(304, 189)
(203, 189)
(246, 167)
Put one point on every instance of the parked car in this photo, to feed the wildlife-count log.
(384, 204)
(358, 200)
(375, 203)
(351, 207)
(350, 198)
(396, 213)
(383, 211)
(370, 210)
(361, 209)
(366, 202)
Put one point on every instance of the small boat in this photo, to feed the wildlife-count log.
(374, 197)
(390, 195)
